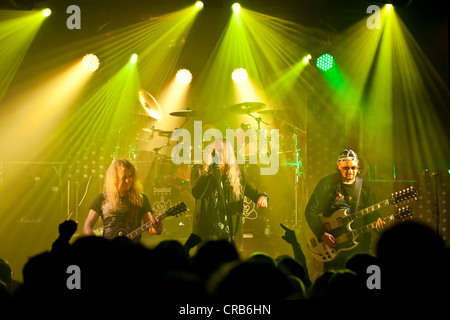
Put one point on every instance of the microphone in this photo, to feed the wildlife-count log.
(215, 157)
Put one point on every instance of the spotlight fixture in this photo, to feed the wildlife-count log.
(184, 76)
(133, 58)
(307, 58)
(46, 12)
(325, 62)
(90, 62)
(395, 3)
(199, 5)
(239, 75)
(236, 8)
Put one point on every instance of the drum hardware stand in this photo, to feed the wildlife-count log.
(185, 121)
(299, 170)
(258, 120)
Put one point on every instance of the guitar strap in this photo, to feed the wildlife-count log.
(356, 195)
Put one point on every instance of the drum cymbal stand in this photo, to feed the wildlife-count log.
(299, 171)
(158, 157)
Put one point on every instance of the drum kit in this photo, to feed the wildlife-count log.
(288, 148)
(166, 183)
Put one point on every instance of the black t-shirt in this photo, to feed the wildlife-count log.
(128, 217)
(330, 195)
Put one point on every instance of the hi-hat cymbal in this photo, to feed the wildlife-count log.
(185, 113)
(247, 107)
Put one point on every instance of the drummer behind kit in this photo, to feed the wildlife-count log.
(166, 178)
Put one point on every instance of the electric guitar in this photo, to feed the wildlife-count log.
(172, 211)
(347, 240)
(339, 221)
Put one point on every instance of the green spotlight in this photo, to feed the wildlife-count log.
(199, 5)
(325, 62)
(133, 58)
(46, 12)
(236, 7)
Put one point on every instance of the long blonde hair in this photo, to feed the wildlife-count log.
(113, 178)
(232, 171)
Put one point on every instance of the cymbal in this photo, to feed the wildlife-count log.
(184, 113)
(146, 115)
(159, 131)
(271, 111)
(247, 107)
(165, 133)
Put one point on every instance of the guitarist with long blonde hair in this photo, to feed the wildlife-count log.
(121, 205)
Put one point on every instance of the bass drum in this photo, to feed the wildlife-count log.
(166, 193)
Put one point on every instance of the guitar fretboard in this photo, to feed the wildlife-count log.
(363, 212)
(144, 227)
(370, 226)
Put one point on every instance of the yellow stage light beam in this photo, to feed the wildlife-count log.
(285, 84)
(95, 113)
(29, 132)
(173, 98)
(391, 80)
(421, 96)
(233, 50)
(162, 40)
(17, 31)
(257, 43)
(39, 110)
(157, 41)
(106, 114)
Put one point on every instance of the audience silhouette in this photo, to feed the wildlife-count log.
(413, 260)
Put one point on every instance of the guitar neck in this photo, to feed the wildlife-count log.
(133, 234)
(370, 226)
(363, 212)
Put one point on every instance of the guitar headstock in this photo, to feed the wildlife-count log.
(403, 196)
(404, 213)
(176, 209)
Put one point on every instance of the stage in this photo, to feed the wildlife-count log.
(289, 83)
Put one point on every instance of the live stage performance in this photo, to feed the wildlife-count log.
(262, 151)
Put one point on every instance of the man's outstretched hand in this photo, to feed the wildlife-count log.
(289, 235)
(67, 229)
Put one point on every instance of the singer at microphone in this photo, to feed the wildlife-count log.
(219, 187)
